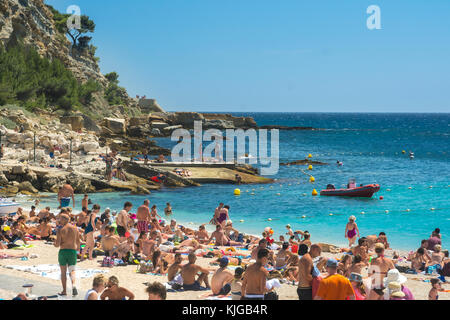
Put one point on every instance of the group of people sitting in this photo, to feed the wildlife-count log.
(260, 264)
(182, 172)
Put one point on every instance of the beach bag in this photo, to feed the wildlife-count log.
(108, 262)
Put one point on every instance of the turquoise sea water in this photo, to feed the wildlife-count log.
(370, 145)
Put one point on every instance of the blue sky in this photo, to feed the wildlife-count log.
(270, 56)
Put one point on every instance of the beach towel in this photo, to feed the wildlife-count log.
(53, 271)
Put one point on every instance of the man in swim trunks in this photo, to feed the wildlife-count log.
(64, 194)
(220, 281)
(221, 238)
(305, 268)
(68, 240)
(202, 235)
(143, 216)
(377, 271)
(123, 220)
(114, 292)
(190, 270)
(255, 277)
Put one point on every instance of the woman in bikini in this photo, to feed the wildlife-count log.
(351, 230)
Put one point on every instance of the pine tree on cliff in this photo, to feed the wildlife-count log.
(80, 41)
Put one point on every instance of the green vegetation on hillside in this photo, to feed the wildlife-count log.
(31, 81)
(113, 93)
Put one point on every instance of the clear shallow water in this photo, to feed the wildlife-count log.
(370, 146)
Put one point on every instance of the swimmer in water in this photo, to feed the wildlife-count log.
(339, 163)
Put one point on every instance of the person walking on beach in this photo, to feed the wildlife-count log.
(255, 278)
(68, 240)
(335, 286)
(114, 292)
(122, 220)
(305, 268)
(350, 231)
(143, 216)
(64, 194)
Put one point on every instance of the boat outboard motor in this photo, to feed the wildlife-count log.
(330, 186)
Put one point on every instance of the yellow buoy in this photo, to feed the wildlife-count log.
(403, 151)
(312, 179)
(310, 167)
(310, 155)
(237, 192)
(314, 192)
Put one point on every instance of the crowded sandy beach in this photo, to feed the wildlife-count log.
(136, 253)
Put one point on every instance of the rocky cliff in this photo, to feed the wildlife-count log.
(31, 22)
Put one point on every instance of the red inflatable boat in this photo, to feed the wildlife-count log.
(366, 191)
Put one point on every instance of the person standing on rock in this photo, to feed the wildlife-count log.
(68, 241)
(109, 164)
(64, 194)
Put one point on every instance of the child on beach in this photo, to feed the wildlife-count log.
(435, 287)
(351, 230)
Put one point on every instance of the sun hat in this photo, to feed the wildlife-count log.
(288, 226)
(332, 263)
(356, 277)
(353, 218)
(398, 294)
(379, 245)
(394, 275)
